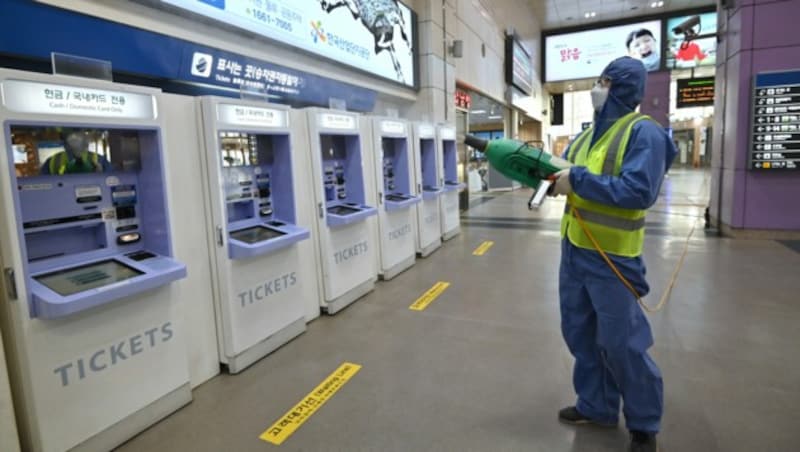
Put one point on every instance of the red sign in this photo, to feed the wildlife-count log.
(463, 99)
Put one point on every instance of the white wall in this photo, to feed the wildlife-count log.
(483, 23)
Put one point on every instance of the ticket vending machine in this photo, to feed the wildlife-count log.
(395, 192)
(450, 215)
(345, 244)
(261, 274)
(428, 167)
(95, 349)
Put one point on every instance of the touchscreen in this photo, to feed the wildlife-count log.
(342, 210)
(86, 277)
(256, 234)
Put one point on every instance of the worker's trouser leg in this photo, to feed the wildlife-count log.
(608, 334)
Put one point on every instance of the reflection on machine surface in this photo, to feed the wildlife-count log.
(46, 150)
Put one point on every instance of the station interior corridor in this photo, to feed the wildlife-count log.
(484, 367)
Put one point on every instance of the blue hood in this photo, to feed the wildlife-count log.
(628, 77)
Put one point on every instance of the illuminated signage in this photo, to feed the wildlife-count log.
(584, 54)
(376, 37)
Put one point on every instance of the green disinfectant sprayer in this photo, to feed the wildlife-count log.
(522, 162)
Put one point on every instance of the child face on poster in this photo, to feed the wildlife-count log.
(642, 45)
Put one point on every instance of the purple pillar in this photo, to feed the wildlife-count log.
(656, 97)
(756, 37)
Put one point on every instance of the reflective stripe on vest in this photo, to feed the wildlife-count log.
(576, 146)
(610, 167)
(59, 162)
(618, 231)
(608, 220)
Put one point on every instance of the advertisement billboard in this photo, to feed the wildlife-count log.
(683, 53)
(584, 54)
(376, 36)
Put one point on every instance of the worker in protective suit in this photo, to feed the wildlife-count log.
(620, 164)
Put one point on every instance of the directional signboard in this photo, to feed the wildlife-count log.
(775, 143)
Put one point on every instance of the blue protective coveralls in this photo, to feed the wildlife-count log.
(603, 325)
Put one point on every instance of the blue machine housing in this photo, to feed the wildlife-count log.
(396, 181)
(450, 166)
(89, 239)
(259, 200)
(343, 179)
(430, 182)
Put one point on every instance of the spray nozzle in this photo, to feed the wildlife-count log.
(477, 143)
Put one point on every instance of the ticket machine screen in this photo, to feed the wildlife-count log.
(86, 277)
(256, 234)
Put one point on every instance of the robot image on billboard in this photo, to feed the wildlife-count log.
(380, 17)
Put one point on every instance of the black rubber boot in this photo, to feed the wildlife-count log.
(571, 415)
(643, 442)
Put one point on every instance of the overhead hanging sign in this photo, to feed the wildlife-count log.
(695, 92)
(775, 126)
(376, 36)
(584, 54)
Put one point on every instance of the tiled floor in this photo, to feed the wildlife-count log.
(484, 368)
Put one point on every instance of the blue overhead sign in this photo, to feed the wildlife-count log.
(34, 30)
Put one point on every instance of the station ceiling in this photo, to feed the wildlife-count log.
(555, 14)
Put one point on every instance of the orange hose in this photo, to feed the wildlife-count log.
(628, 285)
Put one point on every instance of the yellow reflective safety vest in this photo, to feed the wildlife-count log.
(61, 163)
(618, 231)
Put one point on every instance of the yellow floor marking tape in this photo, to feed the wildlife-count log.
(481, 250)
(428, 297)
(281, 430)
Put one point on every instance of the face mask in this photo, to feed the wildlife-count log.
(651, 61)
(599, 96)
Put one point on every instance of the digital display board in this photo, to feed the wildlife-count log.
(695, 92)
(775, 126)
(683, 53)
(584, 54)
(519, 67)
(376, 36)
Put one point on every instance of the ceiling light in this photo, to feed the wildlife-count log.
(658, 4)
(495, 117)
(478, 112)
(590, 14)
